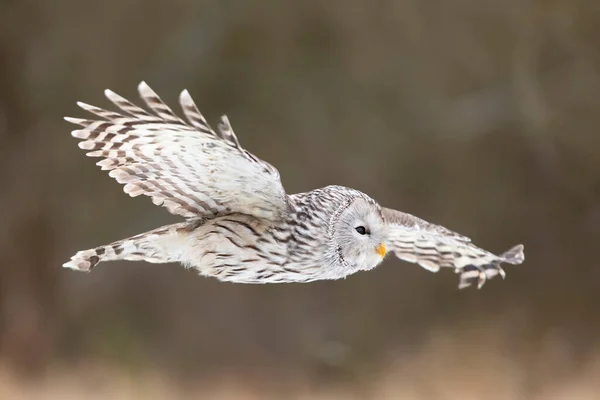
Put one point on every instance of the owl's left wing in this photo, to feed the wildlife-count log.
(183, 165)
(433, 247)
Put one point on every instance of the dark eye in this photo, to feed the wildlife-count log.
(361, 230)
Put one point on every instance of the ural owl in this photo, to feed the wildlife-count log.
(240, 225)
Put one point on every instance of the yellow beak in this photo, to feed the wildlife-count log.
(381, 250)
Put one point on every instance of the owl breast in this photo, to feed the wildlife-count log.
(240, 248)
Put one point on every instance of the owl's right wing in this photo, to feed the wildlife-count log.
(433, 247)
(184, 166)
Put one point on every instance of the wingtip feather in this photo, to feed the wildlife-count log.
(79, 134)
(143, 87)
(185, 99)
(514, 255)
(76, 121)
(185, 94)
(85, 106)
(78, 263)
(112, 96)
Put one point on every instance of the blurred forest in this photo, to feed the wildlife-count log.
(481, 115)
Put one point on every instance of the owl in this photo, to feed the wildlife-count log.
(239, 223)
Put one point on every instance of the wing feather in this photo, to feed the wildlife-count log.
(155, 103)
(433, 247)
(126, 105)
(193, 115)
(184, 166)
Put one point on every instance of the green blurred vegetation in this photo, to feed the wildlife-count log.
(481, 115)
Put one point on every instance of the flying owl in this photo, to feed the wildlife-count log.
(240, 225)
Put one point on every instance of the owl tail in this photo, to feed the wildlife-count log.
(161, 245)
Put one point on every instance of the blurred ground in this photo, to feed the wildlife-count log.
(478, 115)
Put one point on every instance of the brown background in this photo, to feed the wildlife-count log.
(481, 115)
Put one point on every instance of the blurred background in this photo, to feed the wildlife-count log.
(480, 115)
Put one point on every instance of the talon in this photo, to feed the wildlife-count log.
(463, 285)
(482, 278)
(501, 272)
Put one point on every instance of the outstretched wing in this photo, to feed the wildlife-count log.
(184, 166)
(433, 247)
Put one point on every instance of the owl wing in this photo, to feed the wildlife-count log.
(183, 165)
(433, 247)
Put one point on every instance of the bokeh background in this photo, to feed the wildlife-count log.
(481, 115)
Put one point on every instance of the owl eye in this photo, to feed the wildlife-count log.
(361, 230)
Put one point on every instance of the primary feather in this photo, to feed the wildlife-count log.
(184, 166)
(433, 247)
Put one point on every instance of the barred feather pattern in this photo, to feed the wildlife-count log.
(433, 247)
(240, 224)
(184, 166)
(242, 248)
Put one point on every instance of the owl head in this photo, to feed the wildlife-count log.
(358, 234)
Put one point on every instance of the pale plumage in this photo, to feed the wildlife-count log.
(240, 224)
